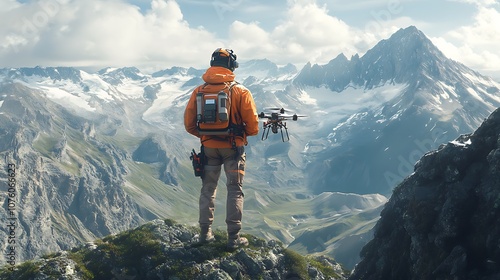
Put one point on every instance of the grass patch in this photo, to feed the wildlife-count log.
(45, 145)
(296, 264)
(127, 250)
(51, 255)
(326, 268)
(132, 245)
(169, 222)
(144, 176)
(214, 250)
(145, 187)
(78, 256)
(25, 271)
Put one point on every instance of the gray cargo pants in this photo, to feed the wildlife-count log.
(234, 167)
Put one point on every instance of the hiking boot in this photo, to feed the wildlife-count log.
(233, 244)
(206, 236)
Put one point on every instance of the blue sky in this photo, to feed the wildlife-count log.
(158, 34)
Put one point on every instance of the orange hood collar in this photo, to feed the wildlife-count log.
(218, 75)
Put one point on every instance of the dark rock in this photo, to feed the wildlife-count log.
(442, 221)
(252, 267)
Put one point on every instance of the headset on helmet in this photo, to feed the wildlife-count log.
(225, 58)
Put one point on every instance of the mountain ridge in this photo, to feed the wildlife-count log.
(397, 60)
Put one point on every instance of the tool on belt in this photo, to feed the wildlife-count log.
(198, 161)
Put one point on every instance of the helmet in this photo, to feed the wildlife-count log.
(225, 58)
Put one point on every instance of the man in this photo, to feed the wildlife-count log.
(227, 150)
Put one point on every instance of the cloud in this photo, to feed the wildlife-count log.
(476, 45)
(480, 3)
(100, 33)
(307, 34)
(115, 33)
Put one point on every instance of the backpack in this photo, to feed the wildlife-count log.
(213, 112)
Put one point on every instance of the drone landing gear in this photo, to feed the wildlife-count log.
(274, 128)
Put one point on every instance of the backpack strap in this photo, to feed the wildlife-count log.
(237, 126)
(234, 83)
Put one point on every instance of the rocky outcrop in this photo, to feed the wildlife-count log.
(163, 249)
(442, 221)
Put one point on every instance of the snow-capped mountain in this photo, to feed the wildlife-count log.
(430, 100)
(89, 141)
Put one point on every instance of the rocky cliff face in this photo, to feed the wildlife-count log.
(442, 221)
(166, 250)
(68, 184)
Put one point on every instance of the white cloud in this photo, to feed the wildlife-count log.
(476, 45)
(100, 33)
(480, 3)
(115, 33)
(307, 34)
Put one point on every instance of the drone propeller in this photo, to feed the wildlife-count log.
(279, 109)
(263, 115)
(280, 116)
(293, 117)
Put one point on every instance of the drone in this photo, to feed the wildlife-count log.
(275, 117)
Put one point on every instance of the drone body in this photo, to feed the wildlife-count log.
(275, 117)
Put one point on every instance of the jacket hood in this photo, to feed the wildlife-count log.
(218, 75)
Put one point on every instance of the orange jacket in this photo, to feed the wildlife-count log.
(217, 78)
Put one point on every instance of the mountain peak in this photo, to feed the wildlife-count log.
(176, 70)
(54, 73)
(409, 31)
(117, 75)
(413, 38)
(402, 57)
(407, 54)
